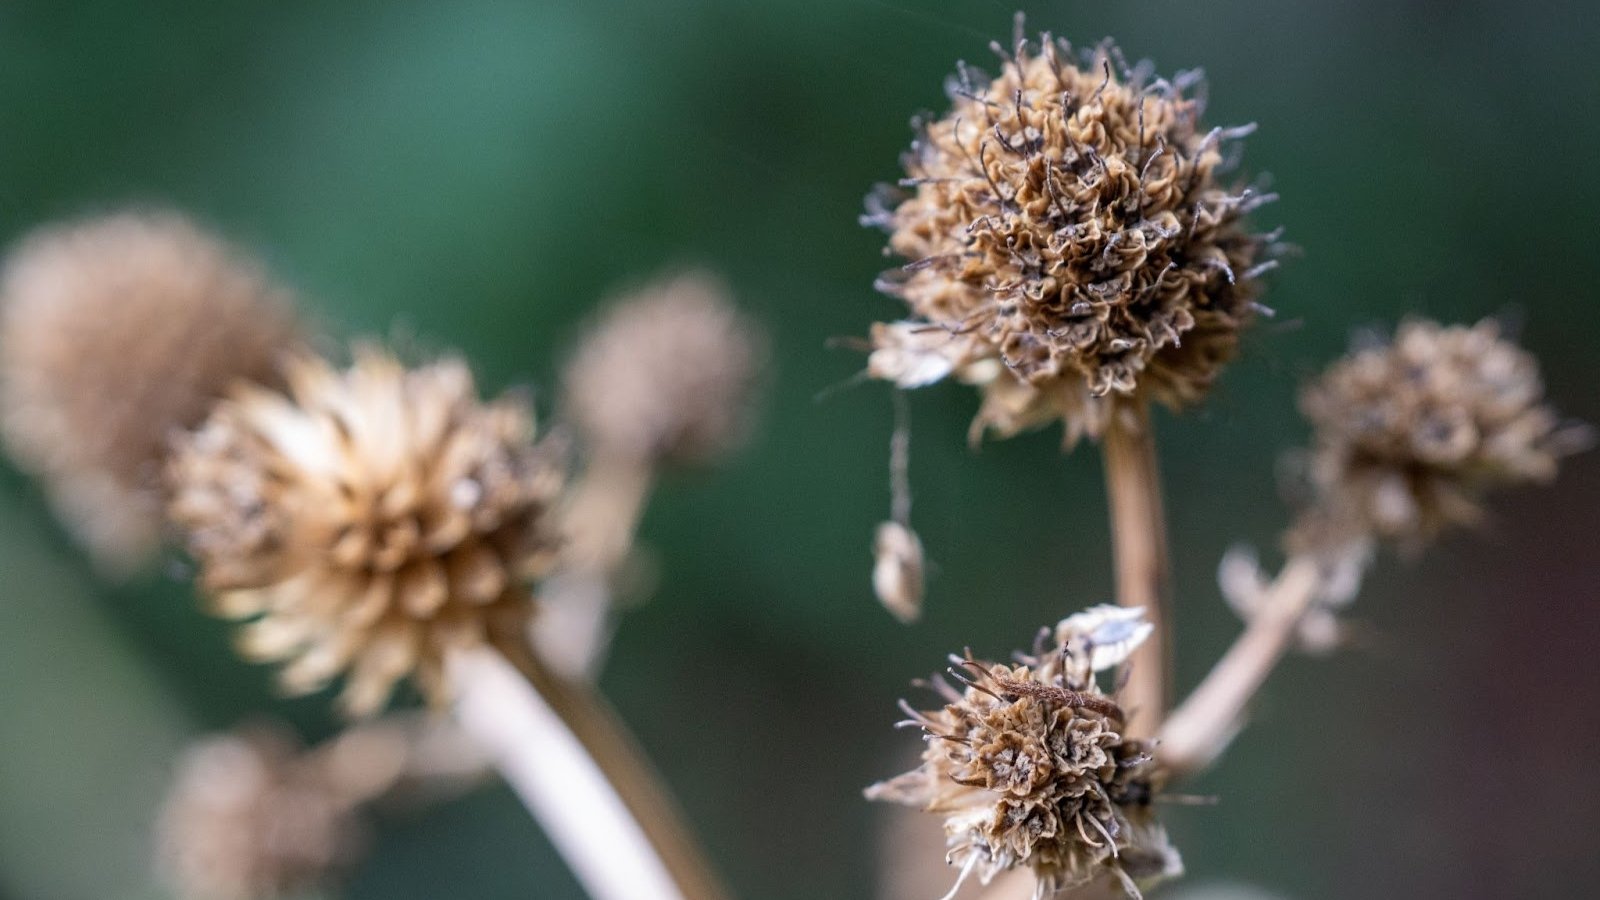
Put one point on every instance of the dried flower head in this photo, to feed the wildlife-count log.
(1410, 433)
(252, 816)
(370, 521)
(1069, 241)
(115, 332)
(1028, 766)
(668, 375)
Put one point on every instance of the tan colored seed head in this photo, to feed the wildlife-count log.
(252, 816)
(1069, 240)
(114, 333)
(1029, 767)
(667, 376)
(370, 521)
(1410, 434)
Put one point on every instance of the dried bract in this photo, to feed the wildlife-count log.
(371, 520)
(115, 332)
(897, 570)
(668, 375)
(251, 816)
(1412, 432)
(1070, 240)
(1028, 766)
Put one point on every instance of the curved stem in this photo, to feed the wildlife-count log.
(1201, 728)
(1139, 545)
(577, 769)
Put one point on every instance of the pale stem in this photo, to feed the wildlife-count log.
(579, 772)
(576, 618)
(1200, 729)
(1139, 547)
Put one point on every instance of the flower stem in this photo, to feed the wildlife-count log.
(582, 776)
(1201, 728)
(1139, 546)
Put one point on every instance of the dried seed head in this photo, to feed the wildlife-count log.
(115, 332)
(1411, 433)
(370, 521)
(1070, 241)
(1029, 766)
(897, 570)
(251, 816)
(668, 375)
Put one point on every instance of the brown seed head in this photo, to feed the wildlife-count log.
(114, 333)
(1411, 433)
(1069, 241)
(1028, 766)
(251, 816)
(370, 521)
(668, 375)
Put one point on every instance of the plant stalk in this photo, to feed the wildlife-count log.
(576, 768)
(1201, 728)
(1139, 547)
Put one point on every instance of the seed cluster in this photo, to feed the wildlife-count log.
(1410, 433)
(370, 520)
(1028, 766)
(1069, 241)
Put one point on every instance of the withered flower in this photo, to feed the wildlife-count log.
(1070, 241)
(1411, 433)
(1028, 766)
(668, 375)
(253, 816)
(115, 332)
(370, 521)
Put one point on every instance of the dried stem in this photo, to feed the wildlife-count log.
(1201, 728)
(573, 631)
(580, 773)
(1139, 544)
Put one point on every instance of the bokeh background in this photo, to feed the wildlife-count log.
(478, 175)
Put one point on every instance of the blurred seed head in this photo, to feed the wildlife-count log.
(1070, 240)
(667, 375)
(252, 816)
(1411, 433)
(1028, 767)
(369, 521)
(114, 333)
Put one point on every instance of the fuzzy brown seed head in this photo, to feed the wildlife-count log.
(251, 816)
(668, 375)
(1411, 433)
(1069, 241)
(114, 333)
(370, 521)
(1028, 767)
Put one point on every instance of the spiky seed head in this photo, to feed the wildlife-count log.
(667, 375)
(1070, 240)
(252, 816)
(1028, 766)
(114, 333)
(1411, 432)
(369, 521)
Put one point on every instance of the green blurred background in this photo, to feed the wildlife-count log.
(480, 173)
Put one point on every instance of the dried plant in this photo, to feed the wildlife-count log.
(1029, 765)
(1070, 242)
(253, 816)
(370, 520)
(1075, 255)
(115, 332)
